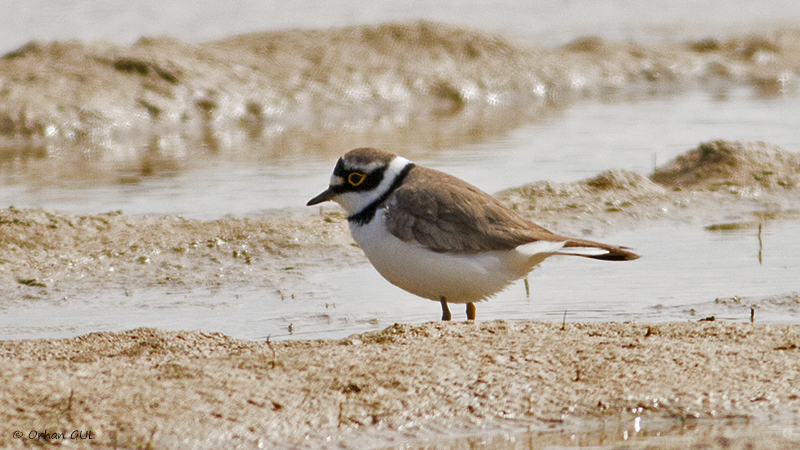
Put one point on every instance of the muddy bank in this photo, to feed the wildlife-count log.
(745, 167)
(717, 179)
(50, 256)
(150, 388)
(163, 96)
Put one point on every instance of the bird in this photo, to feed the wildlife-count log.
(439, 237)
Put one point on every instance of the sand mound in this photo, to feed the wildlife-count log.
(610, 192)
(733, 165)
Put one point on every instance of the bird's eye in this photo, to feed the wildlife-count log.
(356, 178)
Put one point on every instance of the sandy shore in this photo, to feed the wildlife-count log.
(148, 388)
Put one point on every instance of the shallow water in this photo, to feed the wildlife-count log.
(578, 143)
(636, 433)
(687, 272)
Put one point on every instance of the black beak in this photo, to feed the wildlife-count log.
(326, 195)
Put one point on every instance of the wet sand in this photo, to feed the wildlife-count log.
(147, 388)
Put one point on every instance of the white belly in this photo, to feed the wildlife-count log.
(459, 278)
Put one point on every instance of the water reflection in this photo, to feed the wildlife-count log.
(634, 432)
(493, 150)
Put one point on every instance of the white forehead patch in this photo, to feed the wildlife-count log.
(336, 180)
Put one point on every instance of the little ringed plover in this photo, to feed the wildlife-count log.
(439, 237)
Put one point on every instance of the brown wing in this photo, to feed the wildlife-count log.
(444, 213)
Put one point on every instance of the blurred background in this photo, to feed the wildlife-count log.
(167, 173)
(547, 23)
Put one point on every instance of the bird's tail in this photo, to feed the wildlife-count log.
(596, 250)
(577, 247)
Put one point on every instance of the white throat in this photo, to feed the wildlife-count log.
(355, 202)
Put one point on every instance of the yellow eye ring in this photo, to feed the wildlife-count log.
(356, 178)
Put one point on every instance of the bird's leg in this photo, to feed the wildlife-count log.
(470, 311)
(445, 309)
